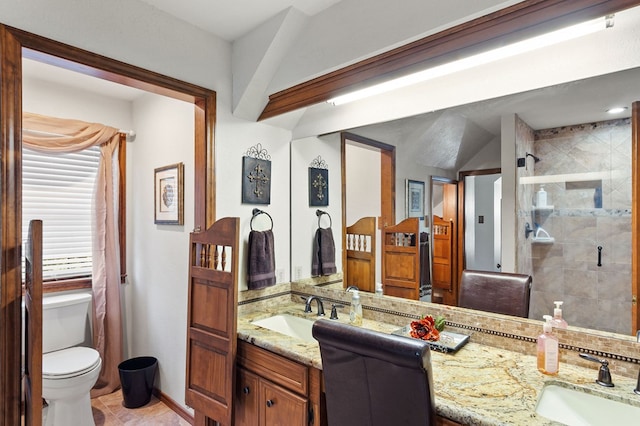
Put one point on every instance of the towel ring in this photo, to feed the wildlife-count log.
(258, 212)
(319, 213)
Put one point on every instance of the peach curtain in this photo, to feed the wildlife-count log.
(49, 134)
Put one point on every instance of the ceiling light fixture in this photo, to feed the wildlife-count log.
(616, 110)
(514, 49)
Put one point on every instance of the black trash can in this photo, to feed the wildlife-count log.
(136, 377)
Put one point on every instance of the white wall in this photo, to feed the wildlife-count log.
(44, 98)
(304, 221)
(363, 186)
(158, 255)
(232, 143)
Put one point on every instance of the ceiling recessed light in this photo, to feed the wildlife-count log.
(616, 110)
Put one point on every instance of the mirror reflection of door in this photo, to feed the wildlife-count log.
(369, 176)
(482, 211)
(444, 247)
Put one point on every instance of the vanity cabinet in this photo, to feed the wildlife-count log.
(274, 390)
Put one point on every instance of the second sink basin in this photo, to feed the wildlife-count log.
(576, 407)
(289, 325)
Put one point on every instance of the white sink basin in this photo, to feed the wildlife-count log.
(289, 325)
(575, 407)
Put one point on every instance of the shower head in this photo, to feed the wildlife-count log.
(535, 159)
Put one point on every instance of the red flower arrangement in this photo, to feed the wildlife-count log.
(427, 328)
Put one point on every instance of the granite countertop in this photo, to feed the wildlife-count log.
(479, 385)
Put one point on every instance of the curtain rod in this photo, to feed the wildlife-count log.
(130, 134)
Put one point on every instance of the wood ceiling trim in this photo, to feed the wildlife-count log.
(521, 20)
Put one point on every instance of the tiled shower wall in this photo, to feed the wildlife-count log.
(524, 143)
(588, 212)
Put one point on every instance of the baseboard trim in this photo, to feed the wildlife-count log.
(174, 406)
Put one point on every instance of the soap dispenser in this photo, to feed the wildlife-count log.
(547, 350)
(557, 320)
(541, 197)
(355, 314)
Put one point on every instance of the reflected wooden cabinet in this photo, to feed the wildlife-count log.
(273, 390)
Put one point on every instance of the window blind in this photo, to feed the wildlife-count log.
(58, 189)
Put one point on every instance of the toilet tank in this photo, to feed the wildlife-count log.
(65, 320)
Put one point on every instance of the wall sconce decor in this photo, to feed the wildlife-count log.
(318, 183)
(168, 195)
(256, 176)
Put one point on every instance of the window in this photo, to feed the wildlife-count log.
(58, 188)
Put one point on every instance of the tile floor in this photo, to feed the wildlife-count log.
(108, 410)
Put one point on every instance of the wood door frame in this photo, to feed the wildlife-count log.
(461, 212)
(387, 184)
(14, 45)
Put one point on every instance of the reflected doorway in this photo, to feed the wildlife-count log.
(482, 217)
(444, 240)
(368, 188)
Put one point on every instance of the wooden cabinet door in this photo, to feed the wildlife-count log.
(442, 254)
(211, 322)
(246, 402)
(280, 407)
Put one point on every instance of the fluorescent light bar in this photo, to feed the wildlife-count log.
(616, 110)
(514, 49)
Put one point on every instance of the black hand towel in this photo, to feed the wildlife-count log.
(324, 253)
(262, 260)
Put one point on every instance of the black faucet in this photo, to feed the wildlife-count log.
(334, 311)
(604, 375)
(307, 305)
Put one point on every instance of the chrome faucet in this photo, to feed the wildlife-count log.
(604, 375)
(307, 305)
(352, 287)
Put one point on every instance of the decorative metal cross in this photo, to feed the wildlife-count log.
(320, 184)
(259, 178)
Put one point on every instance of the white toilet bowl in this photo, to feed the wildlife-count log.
(67, 378)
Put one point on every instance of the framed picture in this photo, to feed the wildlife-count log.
(168, 195)
(415, 198)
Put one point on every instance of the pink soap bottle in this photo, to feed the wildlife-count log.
(557, 320)
(547, 349)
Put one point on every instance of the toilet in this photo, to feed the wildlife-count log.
(69, 371)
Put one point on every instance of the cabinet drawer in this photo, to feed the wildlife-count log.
(286, 373)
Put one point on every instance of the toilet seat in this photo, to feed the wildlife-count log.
(70, 362)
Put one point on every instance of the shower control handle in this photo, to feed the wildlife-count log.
(599, 255)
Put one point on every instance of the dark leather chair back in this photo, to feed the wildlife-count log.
(499, 292)
(374, 379)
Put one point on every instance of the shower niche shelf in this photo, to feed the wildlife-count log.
(543, 240)
(543, 209)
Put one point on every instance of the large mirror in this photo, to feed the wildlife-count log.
(566, 129)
